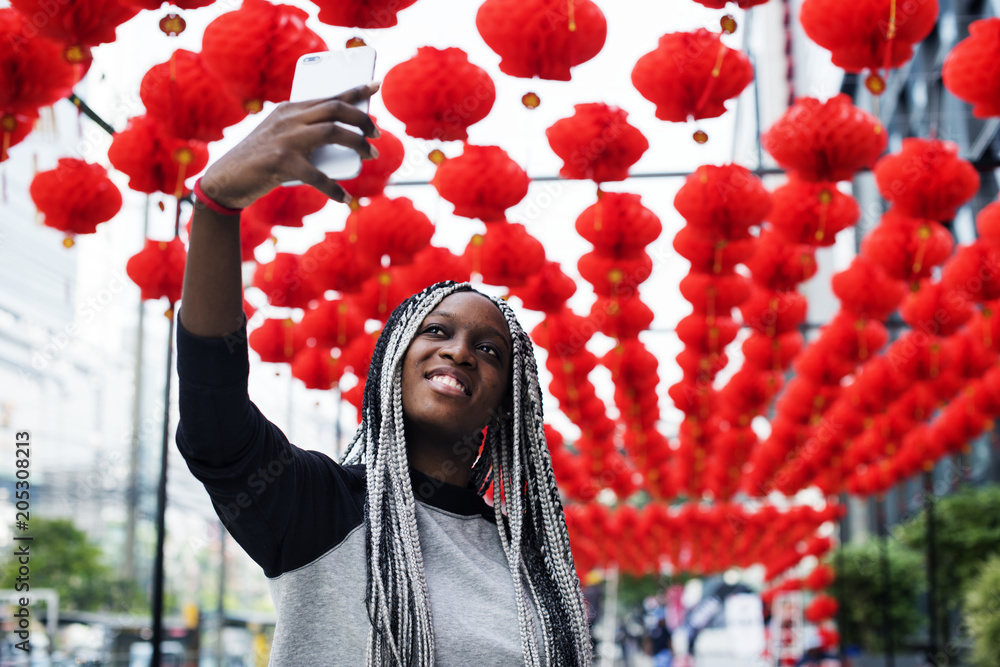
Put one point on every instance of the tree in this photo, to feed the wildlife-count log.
(982, 614)
(62, 558)
(861, 583)
(966, 534)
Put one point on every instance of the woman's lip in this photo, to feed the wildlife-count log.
(444, 388)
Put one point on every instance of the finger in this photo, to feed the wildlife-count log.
(355, 95)
(352, 96)
(304, 171)
(339, 110)
(318, 134)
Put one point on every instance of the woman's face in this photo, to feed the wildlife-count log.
(457, 369)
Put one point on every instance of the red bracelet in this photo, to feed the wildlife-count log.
(211, 204)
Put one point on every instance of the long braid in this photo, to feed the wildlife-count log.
(530, 521)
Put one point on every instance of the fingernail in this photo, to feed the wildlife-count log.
(374, 85)
(347, 198)
(374, 152)
(377, 133)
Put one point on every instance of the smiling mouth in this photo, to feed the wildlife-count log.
(446, 381)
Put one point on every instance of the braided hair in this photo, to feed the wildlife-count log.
(530, 519)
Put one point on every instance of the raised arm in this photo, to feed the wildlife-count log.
(277, 151)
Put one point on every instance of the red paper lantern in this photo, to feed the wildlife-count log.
(505, 255)
(432, 265)
(188, 100)
(317, 368)
(248, 308)
(708, 255)
(621, 318)
(972, 69)
(574, 369)
(332, 324)
(691, 75)
(339, 265)
(285, 206)
(927, 179)
(767, 353)
(254, 49)
(153, 160)
(380, 294)
(252, 234)
(438, 94)
(375, 173)
(14, 127)
(482, 182)
(988, 223)
(358, 354)
(548, 290)
(723, 202)
(866, 290)
(563, 334)
(823, 363)
(970, 359)
(158, 269)
(870, 34)
(826, 141)
(936, 309)
(811, 213)
(365, 14)
(33, 72)
(596, 142)
(277, 341)
(542, 38)
(779, 265)
(854, 338)
(286, 282)
(612, 276)
(974, 272)
(392, 227)
(748, 392)
(714, 295)
(75, 196)
(773, 313)
(76, 25)
(619, 225)
(907, 248)
(823, 607)
(153, 5)
(698, 333)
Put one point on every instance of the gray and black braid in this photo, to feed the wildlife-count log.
(530, 519)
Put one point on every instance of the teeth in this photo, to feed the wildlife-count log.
(450, 381)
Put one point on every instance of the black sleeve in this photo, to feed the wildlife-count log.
(284, 505)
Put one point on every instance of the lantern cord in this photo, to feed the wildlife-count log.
(756, 92)
(90, 113)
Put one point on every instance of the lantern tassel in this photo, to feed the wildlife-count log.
(712, 79)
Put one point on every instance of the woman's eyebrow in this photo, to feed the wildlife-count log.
(492, 329)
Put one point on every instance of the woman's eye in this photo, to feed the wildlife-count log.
(491, 350)
(434, 328)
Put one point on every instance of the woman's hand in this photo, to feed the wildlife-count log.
(278, 150)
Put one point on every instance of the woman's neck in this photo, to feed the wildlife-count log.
(446, 460)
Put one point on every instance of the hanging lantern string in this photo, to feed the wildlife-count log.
(90, 113)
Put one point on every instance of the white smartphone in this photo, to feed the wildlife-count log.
(322, 75)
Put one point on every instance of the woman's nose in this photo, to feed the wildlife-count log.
(458, 350)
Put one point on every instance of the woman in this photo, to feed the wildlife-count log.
(393, 557)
